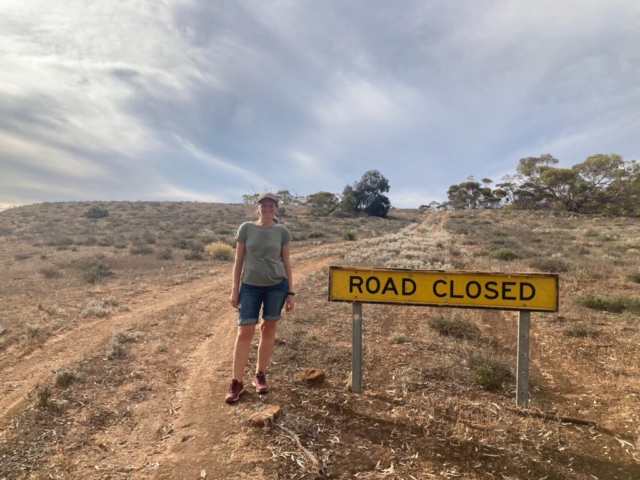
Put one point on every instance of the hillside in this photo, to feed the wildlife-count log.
(116, 340)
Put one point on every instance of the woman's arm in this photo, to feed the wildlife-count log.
(290, 302)
(234, 299)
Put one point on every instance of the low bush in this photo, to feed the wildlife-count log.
(316, 233)
(220, 251)
(165, 254)
(398, 337)
(455, 327)
(549, 264)
(505, 254)
(34, 330)
(116, 350)
(96, 211)
(615, 304)
(579, 330)
(490, 370)
(50, 272)
(44, 395)
(141, 249)
(193, 255)
(348, 234)
(64, 377)
(121, 336)
(106, 241)
(634, 277)
(100, 308)
(97, 272)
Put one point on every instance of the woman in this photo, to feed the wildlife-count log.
(262, 262)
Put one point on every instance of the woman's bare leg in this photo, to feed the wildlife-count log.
(267, 340)
(242, 349)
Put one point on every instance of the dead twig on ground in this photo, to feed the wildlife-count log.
(310, 456)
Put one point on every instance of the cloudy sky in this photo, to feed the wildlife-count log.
(206, 100)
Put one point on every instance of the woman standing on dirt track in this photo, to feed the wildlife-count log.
(262, 263)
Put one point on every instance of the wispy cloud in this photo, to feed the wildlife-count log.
(131, 100)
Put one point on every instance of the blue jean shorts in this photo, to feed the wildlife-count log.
(253, 297)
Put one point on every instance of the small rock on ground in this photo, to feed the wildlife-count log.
(265, 416)
(312, 376)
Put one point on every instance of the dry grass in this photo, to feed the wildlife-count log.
(433, 406)
(220, 251)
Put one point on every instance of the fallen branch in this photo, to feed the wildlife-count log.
(554, 416)
(306, 452)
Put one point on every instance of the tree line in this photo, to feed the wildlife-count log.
(603, 183)
(364, 197)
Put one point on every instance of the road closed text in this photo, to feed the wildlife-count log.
(530, 291)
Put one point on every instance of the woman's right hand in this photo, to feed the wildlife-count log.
(234, 299)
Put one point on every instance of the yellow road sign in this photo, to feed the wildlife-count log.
(504, 291)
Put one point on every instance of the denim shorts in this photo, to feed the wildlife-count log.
(271, 299)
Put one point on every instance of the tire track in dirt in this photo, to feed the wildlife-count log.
(432, 221)
(215, 442)
(23, 375)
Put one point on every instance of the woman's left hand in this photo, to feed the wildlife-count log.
(289, 303)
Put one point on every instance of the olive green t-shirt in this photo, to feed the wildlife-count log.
(263, 265)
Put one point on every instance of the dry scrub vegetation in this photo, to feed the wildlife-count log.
(104, 320)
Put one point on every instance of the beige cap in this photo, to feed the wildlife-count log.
(270, 195)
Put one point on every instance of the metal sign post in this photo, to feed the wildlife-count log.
(522, 374)
(356, 342)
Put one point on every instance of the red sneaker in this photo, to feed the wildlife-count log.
(260, 382)
(235, 389)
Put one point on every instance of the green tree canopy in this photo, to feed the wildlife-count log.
(322, 203)
(367, 195)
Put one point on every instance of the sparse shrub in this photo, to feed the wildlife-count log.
(3, 330)
(180, 243)
(165, 254)
(140, 249)
(50, 272)
(552, 264)
(64, 377)
(61, 242)
(96, 211)
(490, 370)
(97, 272)
(505, 254)
(87, 241)
(34, 330)
(455, 327)
(105, 241)
(616, 304)
(120, 243)
(116, 350)
(607, 236)
(100, 308)
(634, 277)
(22, 256)
(161, 347)
(44, 395)
(316, 233)
(220, 251)
(193, 255)
(121, 336)
(348, 234)
(149, 238)
(398, 337)
(579, 330)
